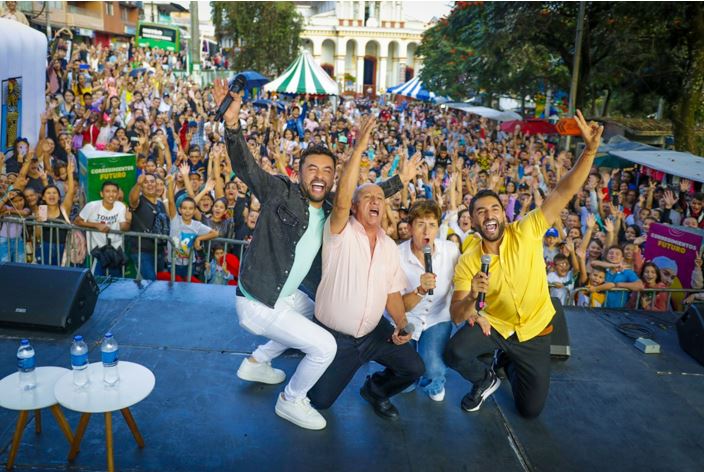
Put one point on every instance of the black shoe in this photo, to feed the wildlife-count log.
(480, 392)
(501, 361)
(383, 408)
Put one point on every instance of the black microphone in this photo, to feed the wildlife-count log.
(486, 260)
(236, 85)
(409, 329)
(427, 254)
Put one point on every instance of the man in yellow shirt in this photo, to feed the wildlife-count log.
(517, 314)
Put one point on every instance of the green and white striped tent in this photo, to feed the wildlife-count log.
(304, 76)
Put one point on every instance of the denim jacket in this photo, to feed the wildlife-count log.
(282, 221)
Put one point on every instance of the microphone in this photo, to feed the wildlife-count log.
(409, 329)
(486, 260)
(236, 85)
(427, 255)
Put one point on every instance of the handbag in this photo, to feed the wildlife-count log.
(76, 246)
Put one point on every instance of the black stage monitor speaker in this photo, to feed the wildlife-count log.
(560, 338)
(690, 331)
(46, 297)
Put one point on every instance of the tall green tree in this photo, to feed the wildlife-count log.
(266, 34)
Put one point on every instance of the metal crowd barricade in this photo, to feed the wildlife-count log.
(31, 241)
(654, 291)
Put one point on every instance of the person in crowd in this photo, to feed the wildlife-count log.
(361, 278)
(186, 235)
(149, 215)
(217, 271)
(517, 313)
(619, 276)
(648, 300)
(12, 235)
(429, 312)
(103, 216)
(51, 240)
(561, 279)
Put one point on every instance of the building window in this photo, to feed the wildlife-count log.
(124, 14)
(109, 9)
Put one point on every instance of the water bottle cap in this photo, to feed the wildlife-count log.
(78, 338)
(24, 342)
(108, 335)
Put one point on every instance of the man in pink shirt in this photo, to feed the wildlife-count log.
(362, 276)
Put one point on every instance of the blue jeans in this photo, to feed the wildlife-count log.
(50, 253)
(147, 268)
(431, 346)
(11, 250)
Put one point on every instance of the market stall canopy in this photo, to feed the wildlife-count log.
(530, 126)
(486, 112)
(254, 79)
(681, 164)
(304, 76)
(606, 158)
(414, 89)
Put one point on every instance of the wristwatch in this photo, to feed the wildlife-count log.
(417, 292)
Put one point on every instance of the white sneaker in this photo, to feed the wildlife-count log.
(300, 413)
(260, 372)
(438, 397)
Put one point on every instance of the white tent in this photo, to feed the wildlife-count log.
(304, 76)
(486, 112)
(23, 58)
(415, 89)
(681, 164)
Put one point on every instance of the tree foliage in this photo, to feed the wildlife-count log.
(641, 50)
(266, 34)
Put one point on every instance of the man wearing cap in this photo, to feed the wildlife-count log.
(514, 312)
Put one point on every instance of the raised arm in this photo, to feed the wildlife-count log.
(260, 182)
(348, 179)
(172, 198)
(70, 188)
(135, 192)
(568, 186)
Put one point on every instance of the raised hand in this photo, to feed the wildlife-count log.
(184, 169)
(670, 199)
(591, 221)
(591, 132)
(410, 168)
(220, 91)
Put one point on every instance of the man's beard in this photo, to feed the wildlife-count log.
(306, 193)
(501, 226)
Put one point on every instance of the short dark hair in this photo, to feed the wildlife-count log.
(481, 194)
(188, 199)
(109, 182)
(599, 269)
(316, 149)
(698, 196)
(560, 257)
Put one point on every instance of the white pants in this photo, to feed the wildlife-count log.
(289, 325)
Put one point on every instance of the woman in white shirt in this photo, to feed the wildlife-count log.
(430, 314)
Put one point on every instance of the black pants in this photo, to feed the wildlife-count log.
(403, 365)
(528, 371)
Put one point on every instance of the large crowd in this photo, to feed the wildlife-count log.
(187, 190)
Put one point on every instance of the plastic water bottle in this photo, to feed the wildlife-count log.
(25, 365)
(79, 361)
(109, 353)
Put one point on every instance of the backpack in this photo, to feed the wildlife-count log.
(161, 224)
(76, 246)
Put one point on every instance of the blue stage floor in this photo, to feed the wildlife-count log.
(610, 406)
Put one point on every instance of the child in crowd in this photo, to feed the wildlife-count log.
(550, 247)
(216, 271)
(561, 280)
(596, 296)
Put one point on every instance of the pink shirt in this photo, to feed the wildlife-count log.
(352, 294)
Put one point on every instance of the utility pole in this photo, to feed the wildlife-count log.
(576, 65)
(194, 48)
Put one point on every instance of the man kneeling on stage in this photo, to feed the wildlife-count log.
(517, 314)
(362, 275)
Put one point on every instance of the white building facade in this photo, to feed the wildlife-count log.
(366, 46)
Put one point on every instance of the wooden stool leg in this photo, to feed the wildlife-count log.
(127, 414)
(63, 424)
(19, 429)
(108, 440)
(80, 431)
(37, 421)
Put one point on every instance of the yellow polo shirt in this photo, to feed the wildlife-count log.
(518, 300)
